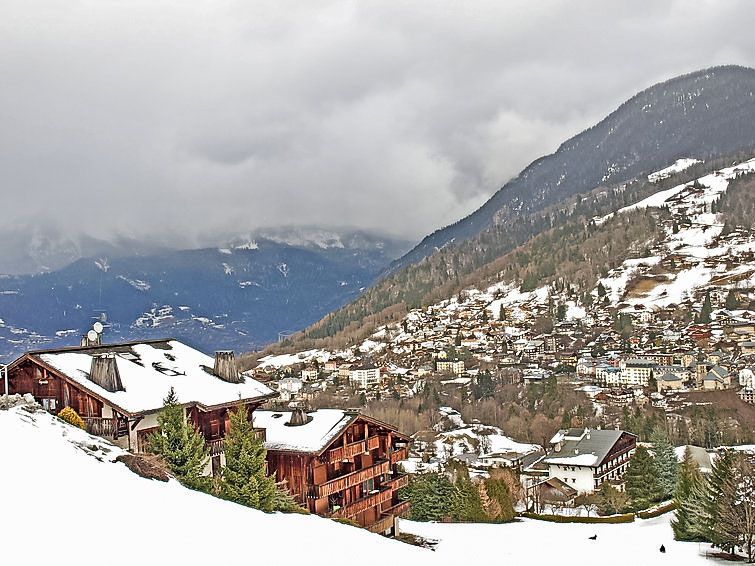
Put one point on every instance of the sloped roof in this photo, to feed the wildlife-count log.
(148, 370)
(323, 426)
(580, 447)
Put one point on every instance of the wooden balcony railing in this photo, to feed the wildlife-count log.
(354, 449)
(398, 481)
(363, 504)
(99, 426)
(398, 455)
(381, 525)
(346, 452)
(215, 446)
(349, 480)
(373, 443)
(398, 510)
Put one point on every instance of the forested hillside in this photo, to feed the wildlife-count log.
(562, 245)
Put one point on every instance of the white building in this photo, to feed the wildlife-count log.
(585, 458)
(364, 376)
(635, 372)
(289, 387)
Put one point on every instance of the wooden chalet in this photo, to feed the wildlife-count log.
(338, 464)
(118, 389)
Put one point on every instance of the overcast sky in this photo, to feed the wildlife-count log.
(186, 117)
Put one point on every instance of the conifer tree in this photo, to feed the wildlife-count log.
(702, 503)
(641, 478)
(735, 525)
(468, 505)
(689, 478)
(731, 301)
(244, 480)
(180, 444)
(498, 492)
(665, 460)
(706, 311)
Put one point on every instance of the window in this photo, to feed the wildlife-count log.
(49, 404)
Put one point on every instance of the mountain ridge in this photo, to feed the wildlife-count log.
(512, 196)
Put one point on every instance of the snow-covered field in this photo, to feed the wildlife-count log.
(540, 542)
(64, 496)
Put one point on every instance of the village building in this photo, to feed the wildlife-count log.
(118, 389)
(309, 373)
(669, 381)
(364, 375)
(450, 366)
(289, 388)
(585, 458)
(338, 463)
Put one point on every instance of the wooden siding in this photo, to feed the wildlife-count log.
(349, 480)
(381, 525)
(398, 455)
(398, 482)
(363, 504)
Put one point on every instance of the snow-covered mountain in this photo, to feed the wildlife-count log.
(697, 116)
(239, 295)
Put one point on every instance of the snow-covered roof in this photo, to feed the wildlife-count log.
(582, 447)
(148, 370)
(314, 436)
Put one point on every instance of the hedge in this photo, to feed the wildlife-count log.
(624, 518)
(660, 510)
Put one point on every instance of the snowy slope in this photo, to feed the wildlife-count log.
(131, 519)
(696, 237)
(135, 520)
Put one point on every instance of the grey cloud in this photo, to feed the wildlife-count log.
(169, 120)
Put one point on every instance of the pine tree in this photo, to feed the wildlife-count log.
(498, 491)
(468, 505)
(732, 303)
(611, 500)
(706, 311)
(641, 478)
(665, 460)
(431, 496)
(601, 290)
(244, 480)
(689, 478)
(180, 444)
(735, 527)
(701, 505)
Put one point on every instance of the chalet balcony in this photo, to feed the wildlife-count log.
(215, 446)
(363, 504)
(103, 426)
(354, 449)
(381, 525)
(373, 443)
(398, 510)
(398, 455)
(398, 481)
(349, 480)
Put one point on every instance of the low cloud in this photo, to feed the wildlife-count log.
(152, 119)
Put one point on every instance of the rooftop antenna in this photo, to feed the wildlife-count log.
(94, 336)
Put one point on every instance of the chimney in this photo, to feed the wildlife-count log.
(298, 417)
(225, 367)
(104, 372)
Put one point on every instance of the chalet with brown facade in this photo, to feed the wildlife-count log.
(118, 389)
(338, 464)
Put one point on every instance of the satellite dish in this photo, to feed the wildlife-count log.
(97, 327)
(92, 336)
(103, 317)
